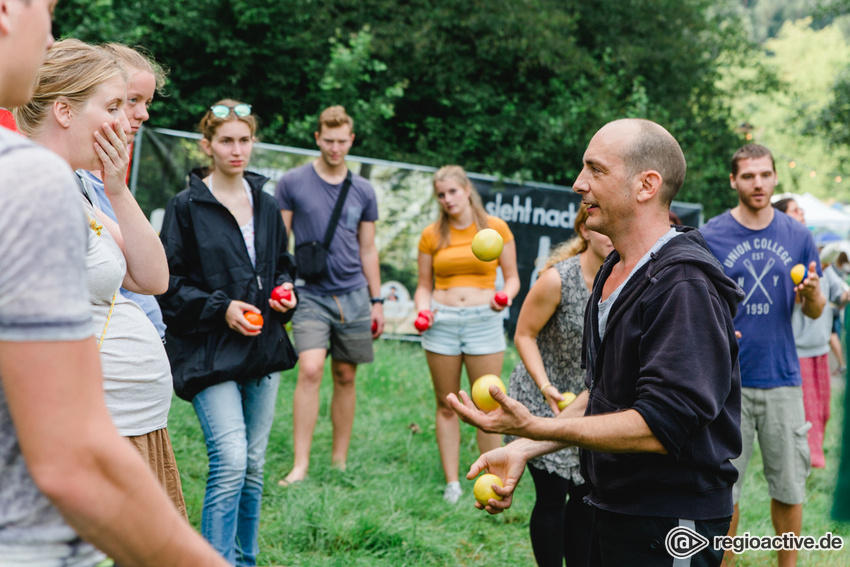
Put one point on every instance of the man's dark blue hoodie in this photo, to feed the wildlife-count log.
(670, 353)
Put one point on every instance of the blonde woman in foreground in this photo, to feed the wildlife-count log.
(72, 451)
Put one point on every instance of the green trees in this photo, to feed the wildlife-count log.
(834, 120)
(806, 61)
(352, 79)
(507, 87)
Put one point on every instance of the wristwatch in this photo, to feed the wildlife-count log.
(375, 300)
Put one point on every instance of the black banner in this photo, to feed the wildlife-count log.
(542, 217)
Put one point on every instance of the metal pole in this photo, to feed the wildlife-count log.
(137, 154)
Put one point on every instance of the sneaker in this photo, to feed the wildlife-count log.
(452, 492)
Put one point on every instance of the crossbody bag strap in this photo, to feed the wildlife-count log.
(85, 189)
(329, 233)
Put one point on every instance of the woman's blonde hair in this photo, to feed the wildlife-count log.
(137, 59)
(210, 122)
(72, 70)
(575, 245)
(479, 215)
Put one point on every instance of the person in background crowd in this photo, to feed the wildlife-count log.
(841, 497)
(835, 341)
(841, 265)
(548, 338)
(757, 247)
(146, 78)
(812, 337)
(458, 291)
(71, 489)
(341, 311)
(226, 248)
(7, 120)
(791, 208)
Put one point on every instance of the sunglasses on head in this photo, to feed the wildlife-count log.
(223, 111)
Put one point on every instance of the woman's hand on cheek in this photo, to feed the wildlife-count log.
(110, 144)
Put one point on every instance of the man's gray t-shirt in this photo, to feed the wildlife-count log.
(43, 297)
(312, 200)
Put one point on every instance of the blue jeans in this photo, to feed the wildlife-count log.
(236, 420)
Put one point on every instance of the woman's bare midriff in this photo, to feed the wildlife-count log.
(463, 296)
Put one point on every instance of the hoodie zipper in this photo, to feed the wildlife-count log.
(218, 203)
(617, 316)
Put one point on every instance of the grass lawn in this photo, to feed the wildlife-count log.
(387, 508)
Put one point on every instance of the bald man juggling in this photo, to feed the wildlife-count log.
(659, 423)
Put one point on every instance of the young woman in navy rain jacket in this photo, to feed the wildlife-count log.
(226, 247)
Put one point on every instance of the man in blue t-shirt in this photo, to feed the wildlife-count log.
(343, 310)
(757, 246)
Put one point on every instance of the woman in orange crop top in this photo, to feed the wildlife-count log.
(456, 293)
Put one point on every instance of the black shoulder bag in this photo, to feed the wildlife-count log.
(311, 257)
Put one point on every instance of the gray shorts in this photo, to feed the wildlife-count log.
(776, 415)
(341, 324)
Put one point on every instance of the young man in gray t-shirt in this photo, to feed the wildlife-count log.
(343, 311)
(71, 489)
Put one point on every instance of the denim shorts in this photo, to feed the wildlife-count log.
(472, 330)
(777, 416)
(341, 323)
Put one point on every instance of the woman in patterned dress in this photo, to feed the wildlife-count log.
(548, 339)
